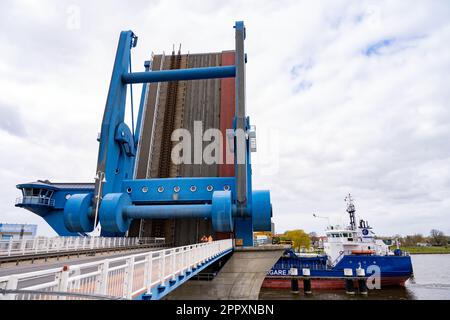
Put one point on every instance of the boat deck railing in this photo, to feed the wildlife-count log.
(33, 200)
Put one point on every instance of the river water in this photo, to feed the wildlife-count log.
(431, 281)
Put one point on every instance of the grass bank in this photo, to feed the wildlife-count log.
(426, 250)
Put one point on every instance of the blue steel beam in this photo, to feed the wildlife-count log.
(114, 218)
(242, 165)
(137, 133)
(180, 75)
(163, 190)
(114, 165)
(168, 211)
(243, 170)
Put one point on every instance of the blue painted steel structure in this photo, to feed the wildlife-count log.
(180, 75)
(116, 198)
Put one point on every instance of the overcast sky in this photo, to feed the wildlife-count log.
(347, 96)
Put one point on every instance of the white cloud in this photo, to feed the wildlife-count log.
(375, 125)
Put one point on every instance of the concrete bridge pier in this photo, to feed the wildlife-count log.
(240, 279)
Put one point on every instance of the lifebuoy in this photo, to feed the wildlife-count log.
(363, 251)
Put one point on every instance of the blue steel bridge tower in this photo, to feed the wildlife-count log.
(115, 198)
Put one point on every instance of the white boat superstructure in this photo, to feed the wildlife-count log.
(352, 239)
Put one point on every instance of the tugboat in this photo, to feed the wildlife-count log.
(353, 247)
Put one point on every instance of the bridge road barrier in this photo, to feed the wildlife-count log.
(127, 277)
(56, 248)
(39, 245)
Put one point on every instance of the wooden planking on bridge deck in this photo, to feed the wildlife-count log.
(147, 125)
(198, 100)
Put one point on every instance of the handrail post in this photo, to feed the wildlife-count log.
(162, 266)
(35, 245)
(188, 259)
(129, 273)
(23, 246)
(182, 260)
(194, 255)
(173, 253)
(63, 281)
(102, 280)
(148, 272)
(204, 253)
(10, 246)
(11, 285)
(198, 256)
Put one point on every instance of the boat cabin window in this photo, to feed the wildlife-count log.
(47, 193)
(31, 192)
(347, 235)
(336, 235)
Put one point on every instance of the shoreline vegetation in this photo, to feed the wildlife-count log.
(426, 250)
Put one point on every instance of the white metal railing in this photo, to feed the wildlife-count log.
(45, 201)
(39, 245)
(125, 277)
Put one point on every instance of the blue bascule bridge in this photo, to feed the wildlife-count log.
(116, 198)
(138, 192)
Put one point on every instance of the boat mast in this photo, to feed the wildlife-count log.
(351, 211)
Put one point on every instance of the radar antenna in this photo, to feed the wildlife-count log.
(317, 216)
(351, 211)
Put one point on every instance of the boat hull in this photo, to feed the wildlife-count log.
(387, 271)
(328, 284)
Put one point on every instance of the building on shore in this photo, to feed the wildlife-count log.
(17, 231)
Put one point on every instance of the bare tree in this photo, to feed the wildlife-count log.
(438, 238)
(412, 240)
